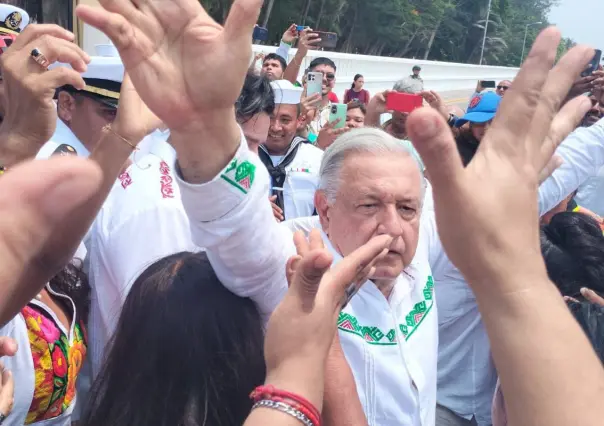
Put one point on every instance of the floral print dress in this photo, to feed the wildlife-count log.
(46, 366)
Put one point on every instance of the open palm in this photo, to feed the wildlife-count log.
(182, 63)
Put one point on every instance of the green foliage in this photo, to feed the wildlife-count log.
(440, 30)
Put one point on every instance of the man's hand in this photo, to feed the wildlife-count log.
(435, 101)
(329, 134)
(518, 146)
(175, 54)
(376, 107)
(308, 41)
(310, 103)
(31, 114)
(277, 211)
(598, 86)
(290, 35)
(592, 296)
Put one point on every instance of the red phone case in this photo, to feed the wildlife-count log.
(403, 102)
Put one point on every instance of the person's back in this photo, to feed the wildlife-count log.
(186, 351)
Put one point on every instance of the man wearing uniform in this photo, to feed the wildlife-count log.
(292, 162)
(12, 21)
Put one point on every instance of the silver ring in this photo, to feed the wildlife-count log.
(41, 60)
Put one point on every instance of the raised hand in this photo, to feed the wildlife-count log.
(290, 35)
(329, 134)
(500, 184)
(183, 64)
(302, 328)
(31, 115)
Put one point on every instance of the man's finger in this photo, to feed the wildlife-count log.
(592, 296)
(58, 77)
(8, 346)
(554, 163)
(315, 240)
(33, 32)
(239, 24)
(562, 125)
(126, 8)
(301, 243)
(113, 25)
(554, 92)
(7, 393)
(346, 271)
(433, 140)
(308, 275)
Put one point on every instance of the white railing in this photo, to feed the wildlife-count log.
(382, 72)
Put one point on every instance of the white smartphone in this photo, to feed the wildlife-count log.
(314, 83)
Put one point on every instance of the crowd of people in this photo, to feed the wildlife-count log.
(176, 251)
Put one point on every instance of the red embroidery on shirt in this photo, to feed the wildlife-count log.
(126, 180)
(166, 180)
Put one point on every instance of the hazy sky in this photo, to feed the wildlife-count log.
(581, 20)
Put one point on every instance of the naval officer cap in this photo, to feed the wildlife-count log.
(12, 19)
(103, 77)
(286, 93)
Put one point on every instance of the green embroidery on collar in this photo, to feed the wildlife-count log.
(375, 336)
(240, 175)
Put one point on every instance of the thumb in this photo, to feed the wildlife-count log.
(241, 20)
(308, 274)
(433, 140)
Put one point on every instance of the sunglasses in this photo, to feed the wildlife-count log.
(330, 76)
(504, 88)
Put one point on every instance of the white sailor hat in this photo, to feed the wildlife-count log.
(13, 20)
(103, 77)
(286, 92)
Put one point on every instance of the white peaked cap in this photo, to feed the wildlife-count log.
(13, 20)
(286, 92)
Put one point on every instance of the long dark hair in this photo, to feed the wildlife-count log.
(573, 248)
(186, 351)
(356, 77)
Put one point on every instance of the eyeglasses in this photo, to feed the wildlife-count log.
(504, 88)
(330, 76)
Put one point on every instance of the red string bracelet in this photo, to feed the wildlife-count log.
(299, 403)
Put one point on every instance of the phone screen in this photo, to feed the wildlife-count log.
(593, 65)
(488, 84)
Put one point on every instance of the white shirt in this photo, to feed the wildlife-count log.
(466, 372)
(142, 221)
(591, 193)
(62, 136)
(395, 368)
(301, 181)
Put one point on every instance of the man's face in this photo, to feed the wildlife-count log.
(503, 87)
(329, 77)
(283, 128)
(594, 114)
(399, 122)
(85, 116)
(416, 72)
(378, 194)
(272, 69)
(255, 130)
(355, 118)
(479, 129)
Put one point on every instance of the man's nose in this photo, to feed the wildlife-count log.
(390, 222)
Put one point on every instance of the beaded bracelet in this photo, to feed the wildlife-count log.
(284, 408)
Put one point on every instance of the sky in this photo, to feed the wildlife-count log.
(580, 20)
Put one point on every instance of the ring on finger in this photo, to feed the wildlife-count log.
(40, 58)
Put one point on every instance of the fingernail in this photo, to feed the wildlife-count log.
(585, 291)
(71, 192)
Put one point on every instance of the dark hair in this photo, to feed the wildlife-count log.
(572, 245)
(186, 351)
(467, 146)
(356, 77)
(322, 61)
(256, 97)
(357, 104)
(72, 282)
(275, 57)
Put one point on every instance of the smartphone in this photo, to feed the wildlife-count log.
(301, 27)
(593, 65)
(403, 102)
(488, 84)
(328, 40)
(260, 34)
(338, 111)
(314, 83)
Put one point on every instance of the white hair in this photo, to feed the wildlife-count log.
(364, 140)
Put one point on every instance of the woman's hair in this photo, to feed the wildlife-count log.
(72, 282)
(573, 248)
(357, 104)
(256, 97)
(356, 77)
(186, 351)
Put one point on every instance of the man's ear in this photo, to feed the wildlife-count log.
(66, 104)
(322, 207)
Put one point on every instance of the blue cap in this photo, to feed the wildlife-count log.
(482, 108)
